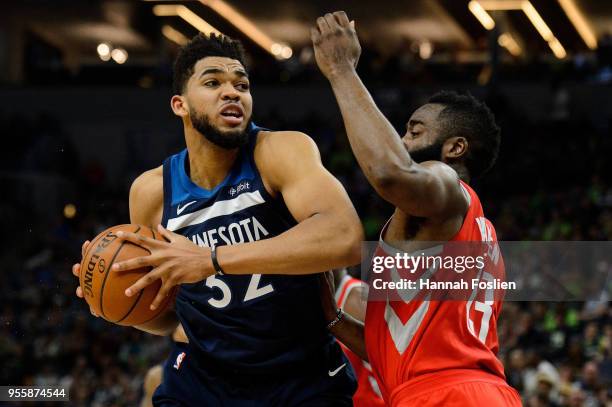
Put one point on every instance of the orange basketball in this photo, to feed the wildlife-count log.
(104, 289)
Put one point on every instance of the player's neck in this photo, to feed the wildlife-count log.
(209, 164)
(462, 172)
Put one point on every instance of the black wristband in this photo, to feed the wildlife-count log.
(215, 262)
(339, 316)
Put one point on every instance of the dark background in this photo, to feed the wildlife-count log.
(77, 130)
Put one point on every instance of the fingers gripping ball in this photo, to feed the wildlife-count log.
(104, 289)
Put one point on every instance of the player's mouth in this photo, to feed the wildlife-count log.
(232, 114)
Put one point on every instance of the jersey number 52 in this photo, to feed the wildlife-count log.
(253, 290)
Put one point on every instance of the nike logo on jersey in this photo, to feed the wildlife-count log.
(180, 209)
(332, 373)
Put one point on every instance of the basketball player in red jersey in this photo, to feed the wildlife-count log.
(423, 353)
(348, 298)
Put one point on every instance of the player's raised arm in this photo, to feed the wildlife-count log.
(424, 190)
(328, 234)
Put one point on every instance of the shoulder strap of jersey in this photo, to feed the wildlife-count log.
(252, 142)
(168, 179)
(344, 289)
(468, 192)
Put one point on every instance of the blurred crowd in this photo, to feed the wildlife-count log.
(548, 185)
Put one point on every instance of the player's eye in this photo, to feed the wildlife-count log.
(211, 83)
(243, 86)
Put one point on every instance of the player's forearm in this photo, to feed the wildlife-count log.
(374, 141)
(163, 325)
(319, 243)
(355, 304)
(350, 332)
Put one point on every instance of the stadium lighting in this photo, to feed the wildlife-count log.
(507, 41)
(481, 14)
(70, 211)
(425, 50)
(186, 14)
(543, 29)
(248, 28)
(503, 5)
(557, 48)
(579, 22)
(286, 52)
(104, 51)
(537, 21)
(174, 35)
(119, 55)
(276, 49)
(530, 11)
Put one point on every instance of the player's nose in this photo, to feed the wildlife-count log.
(228, 92)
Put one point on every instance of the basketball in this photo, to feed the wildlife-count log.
(104, 289)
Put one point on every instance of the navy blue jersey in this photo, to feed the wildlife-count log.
(242, 323)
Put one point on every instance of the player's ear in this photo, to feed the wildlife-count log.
(455, 147)
(179, 105)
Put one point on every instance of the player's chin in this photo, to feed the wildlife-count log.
(232, 129)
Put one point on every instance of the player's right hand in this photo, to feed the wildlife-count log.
(76, 270)
(335, 43)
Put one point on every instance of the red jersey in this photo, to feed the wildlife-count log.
(416, 344)
(368, 393)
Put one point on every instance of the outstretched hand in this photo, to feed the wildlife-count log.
(335, 42)
(174, 261)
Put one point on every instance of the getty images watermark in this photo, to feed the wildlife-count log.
(511, 271)
(421, 262)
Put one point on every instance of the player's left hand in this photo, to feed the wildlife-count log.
(175, 261)
(335, 42)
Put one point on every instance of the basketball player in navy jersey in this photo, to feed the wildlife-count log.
(250, 216)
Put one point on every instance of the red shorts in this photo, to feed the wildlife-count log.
(456, 388)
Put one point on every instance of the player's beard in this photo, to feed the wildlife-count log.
(228, 140)
(432, 152)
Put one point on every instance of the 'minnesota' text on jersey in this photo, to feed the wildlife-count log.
(242, 323)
